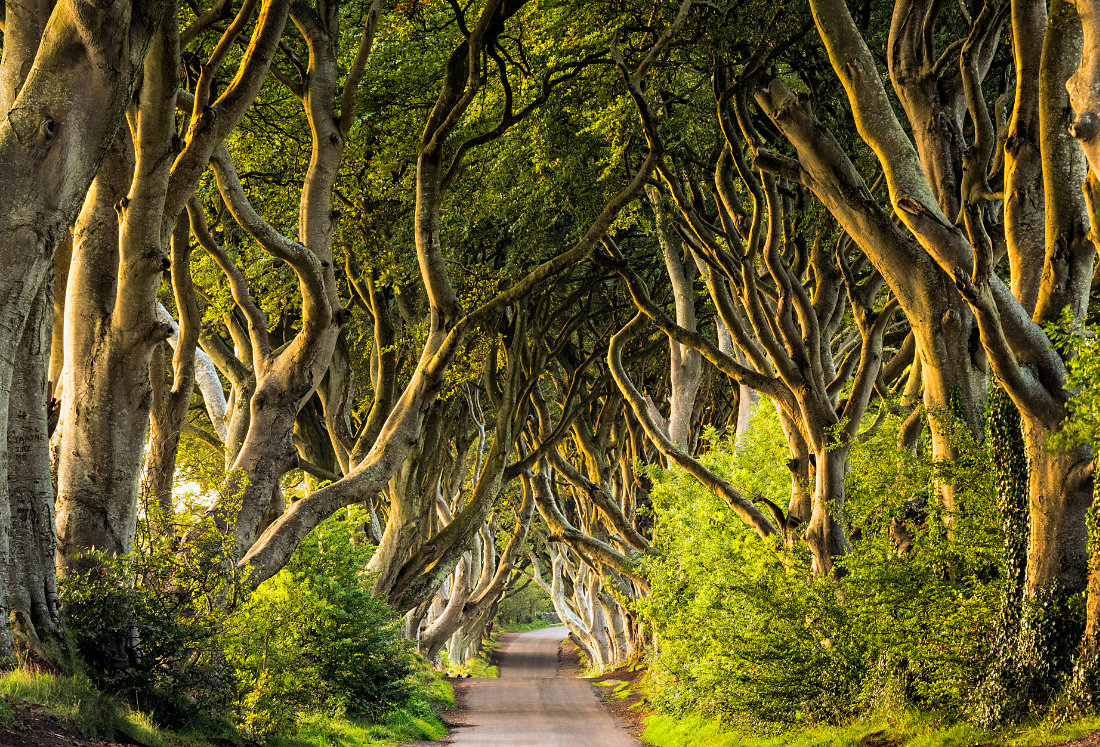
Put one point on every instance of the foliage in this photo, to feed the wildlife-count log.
(309, 646)
(75, 702)
(927, 615)
(397, 727)
(416, 720)
(908, 729)
(314, 636)
(758, 465)
(747, 635)
(145, 624)
(524, 606)
(1071, 337)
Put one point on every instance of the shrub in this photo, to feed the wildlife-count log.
(170, 636)
(145, 628)
(746, 634)
(314, 636)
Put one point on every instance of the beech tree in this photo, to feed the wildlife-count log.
(67, 74)
(781, 297)
(270, 385)
(964, 202)
(63, 130)
(589, 487)
(449, 324)
(488, 268)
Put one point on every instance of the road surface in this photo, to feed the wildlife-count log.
(535, 702)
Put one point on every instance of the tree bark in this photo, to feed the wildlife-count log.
(954, 370)
(170, 405)
(448, 326)
(685, 362)
(32, 600)
(999, 698)
(113, 328)
(100, 456)
(61, 114)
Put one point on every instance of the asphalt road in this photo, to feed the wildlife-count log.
(536, 702)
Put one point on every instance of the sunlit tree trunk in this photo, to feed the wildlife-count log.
(60, 115)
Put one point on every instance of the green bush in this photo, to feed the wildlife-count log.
(315, 637)
(747, 635)
(146, 629)
(164, 629)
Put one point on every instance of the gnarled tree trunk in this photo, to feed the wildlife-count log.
(32, 579)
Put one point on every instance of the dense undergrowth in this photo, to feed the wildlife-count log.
(311, 657)
(750, 643)
(75, 702)
(886, 727)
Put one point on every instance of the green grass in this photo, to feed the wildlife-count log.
(622, 689)
(416, 721)
(436, 690)
(478, 667)
(399, 726)
(910, 729)
(76, 703)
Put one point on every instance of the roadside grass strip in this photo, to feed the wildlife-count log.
(909, 728)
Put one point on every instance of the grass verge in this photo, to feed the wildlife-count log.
(417, 720)
(894, 729)
(398, 728)
(478, 667)
(909, 729)
(75, 703)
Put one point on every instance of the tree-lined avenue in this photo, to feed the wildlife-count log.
(536, 701)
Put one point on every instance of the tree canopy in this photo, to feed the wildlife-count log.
(695, 315)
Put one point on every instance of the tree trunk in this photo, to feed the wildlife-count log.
(60, 115)
(252, 482)
(450, 621)
(685, 362)
(825, 534)
(106, 392)
(170, 405)
(1059, 495)
(800, 507)
(160, 457)
(412, 496)
(62, 260)
(954, 366)
(999, 698)
(32, 579)
(1086, 673)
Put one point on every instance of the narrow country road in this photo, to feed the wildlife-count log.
(534, 703)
